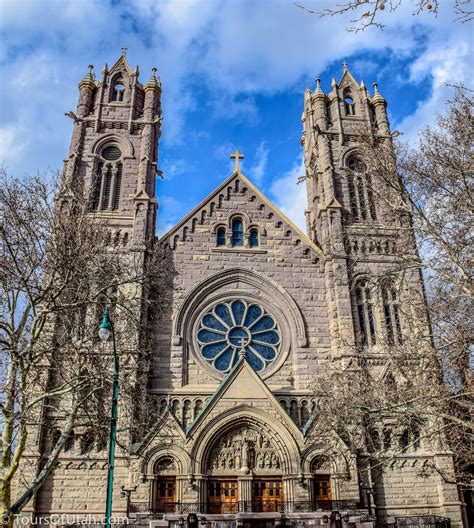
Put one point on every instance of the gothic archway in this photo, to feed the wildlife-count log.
(245, 456)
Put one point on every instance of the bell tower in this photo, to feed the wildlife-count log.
(333, 126)
(344, 216)
(114, 150)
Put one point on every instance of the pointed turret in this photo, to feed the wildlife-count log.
(380, 108)
(377, 98)
(89, 78)
(87, 87)
(319, 91)
(154, 83)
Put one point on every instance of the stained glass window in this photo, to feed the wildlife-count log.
(237, 233)
(230, 329)
(221, 236)
(253, 238)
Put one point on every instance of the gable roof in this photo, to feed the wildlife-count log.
(238, 175)
(242, 383)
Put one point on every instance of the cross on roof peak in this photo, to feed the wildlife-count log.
(237, 156)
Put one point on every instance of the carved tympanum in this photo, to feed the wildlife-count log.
(243, 450)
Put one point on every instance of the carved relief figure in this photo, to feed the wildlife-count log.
(244, 449)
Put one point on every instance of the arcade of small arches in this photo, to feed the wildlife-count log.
(187, 408)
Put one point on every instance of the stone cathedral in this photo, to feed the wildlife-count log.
(257, 307)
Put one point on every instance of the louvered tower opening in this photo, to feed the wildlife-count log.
(118, 184)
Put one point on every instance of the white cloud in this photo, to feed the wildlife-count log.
(12, 143)
(257, 171)
(237, 49)
(447, 63)
(290, 197)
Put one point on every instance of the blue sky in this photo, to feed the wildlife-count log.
(233, 73)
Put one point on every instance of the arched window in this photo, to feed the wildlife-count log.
(253, 238)
(69, 445)
(55, 437)
(118, 91)
(360, 191)
(237, 232)
(349, 104)
(365, 314)
(106, 187)
(87, 442)
(220, 238)
(391, 314)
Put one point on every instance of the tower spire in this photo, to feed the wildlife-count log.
(319, 90)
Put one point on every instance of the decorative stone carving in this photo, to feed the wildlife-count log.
(243, 450)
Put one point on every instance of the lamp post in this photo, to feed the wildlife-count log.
(106, 329)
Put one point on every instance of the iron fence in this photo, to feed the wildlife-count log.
(252, 506)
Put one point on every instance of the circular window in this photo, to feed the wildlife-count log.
(111, 153)
(356, 165)
(231, 329)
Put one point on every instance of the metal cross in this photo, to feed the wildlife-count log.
(124, 51)
(237, 156)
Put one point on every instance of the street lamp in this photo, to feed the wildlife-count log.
(106, 329)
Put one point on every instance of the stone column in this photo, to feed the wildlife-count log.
(245, 490)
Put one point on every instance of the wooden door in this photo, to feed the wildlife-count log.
(267, 495)
(322, 492)
(223, 496)
(165, 495)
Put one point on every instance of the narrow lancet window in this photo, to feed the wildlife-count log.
(349, 104)
(118, 92)
(220, 237)
(361, 196)
(253, 238)
(365, 314)
(392, 314)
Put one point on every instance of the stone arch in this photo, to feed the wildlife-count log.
(338, 460)
(348, 153)
(124, 143)
(274, 290)
(239, 417)
(161, 452)
(239, 214)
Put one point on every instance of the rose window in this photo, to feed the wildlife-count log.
(230, 330)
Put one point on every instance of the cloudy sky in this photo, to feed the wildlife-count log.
(233, 74)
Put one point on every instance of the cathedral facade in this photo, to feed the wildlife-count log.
(257, 308)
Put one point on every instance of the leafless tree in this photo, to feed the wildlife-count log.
(368, 12)
(427, 397)
(59, 269)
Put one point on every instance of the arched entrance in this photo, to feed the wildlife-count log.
(164, 492)
(244, 471)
